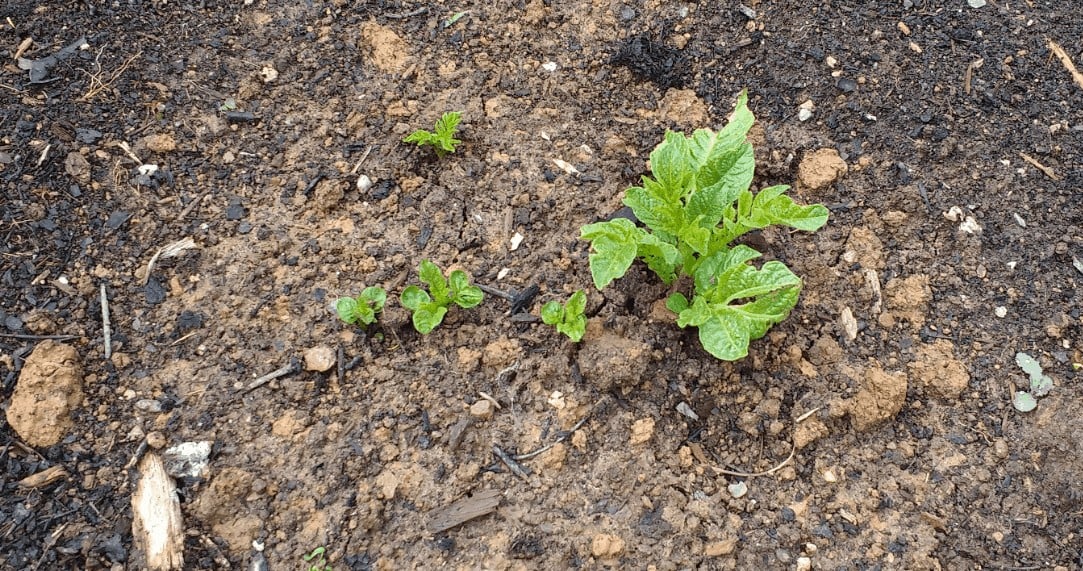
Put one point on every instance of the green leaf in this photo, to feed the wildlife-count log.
(346, 308)
(713, 266)
(430, 274)
(469, 297)
(615, 244)
(375, 296)
(721, 181)
(726, 330)
(745, 281)
(670, 166)
(1024, 401)
(552, 313)
(1040, 383)
(574, 328)
(676, 302)
(427, 317)
(577, 303)
(448, 122)
(660, 256)
(659, 211)
(771, 206)
(413, 298)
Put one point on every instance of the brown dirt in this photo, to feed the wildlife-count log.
(898, 362)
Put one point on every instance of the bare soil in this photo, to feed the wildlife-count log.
(946, 140)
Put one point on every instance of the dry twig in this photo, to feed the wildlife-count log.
(1066, 61)
(97, 84)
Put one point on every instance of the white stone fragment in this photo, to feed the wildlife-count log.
(549, 66)
(1000, 311)
(738, 489)
(516, 240)
(364, 183)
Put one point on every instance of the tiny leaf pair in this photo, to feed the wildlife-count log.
(567, 318)
(442, 138)
(429, 308)
(694, 206)
(362, 309)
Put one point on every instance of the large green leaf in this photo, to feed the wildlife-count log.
(654, 206)
(711, 267)
(726, 330)
(772, 206)
(720, 181)
(745, 281)
(615, 243)
(670, 167)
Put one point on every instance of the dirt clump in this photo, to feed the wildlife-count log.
(943, 375)
(881, 397)
(908, 298)
(49, 389)
(610, 360)
(820, 168)
(384, 48)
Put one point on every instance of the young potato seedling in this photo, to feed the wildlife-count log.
(695, 204)
(567, 318)
(361, 310)
(430, 307)
(442, 138)
(316, 561)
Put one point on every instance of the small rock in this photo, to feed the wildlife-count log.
(720, 548)
(148, 405)
(1001, 311)
(320, 358)
(804, 114)
(903, 28)
(364, 183)
(804, 564)
(738, 489)
(606, 546)
(642, 431)
(976, 3)
(846, 85)
(156, 440)
(482, 409)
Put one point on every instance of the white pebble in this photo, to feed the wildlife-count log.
(549, 66)
(364, 183)
(738, 489)
(515, 241)
(1001, 311)
(804, 115)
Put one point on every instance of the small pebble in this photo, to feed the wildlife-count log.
(804, 564)
(1001, 311)
(804, 115)
(148, 405)
(846, 85)
(320, 358)
(976, 3)
(738, 489)
(156, 440)
(364, 183)
(482, 409)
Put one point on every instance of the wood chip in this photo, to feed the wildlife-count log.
(1046, 170)
(1066, 61)
(44, 478)
(463, 510)
(157, 526)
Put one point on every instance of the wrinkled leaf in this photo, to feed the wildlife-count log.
(677, 302)
(430, 274)
(414, 297)
(615, 244)
(375, 296)
(1040, 383)
(552, 313)
(427, 317)
(346, 307)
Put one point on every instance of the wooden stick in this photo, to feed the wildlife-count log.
(106, 331)
(1066, 61)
